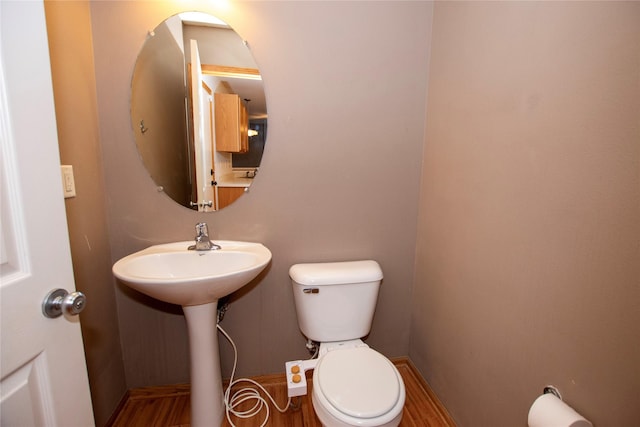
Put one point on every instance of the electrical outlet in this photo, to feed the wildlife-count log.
(68, 183)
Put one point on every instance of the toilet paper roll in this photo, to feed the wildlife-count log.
(549, 411)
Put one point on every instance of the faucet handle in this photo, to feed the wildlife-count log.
(202, 229)
(202, 239)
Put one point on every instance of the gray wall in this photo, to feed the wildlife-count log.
(528, 245)
(346, 90)
(74, 85)
(157, 99)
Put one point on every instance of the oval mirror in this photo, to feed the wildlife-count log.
(198, 111)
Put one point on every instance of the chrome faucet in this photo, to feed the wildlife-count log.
(202, 239)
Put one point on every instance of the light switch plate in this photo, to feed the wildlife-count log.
(68, 183)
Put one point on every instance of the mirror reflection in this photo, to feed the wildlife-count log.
(198, 111)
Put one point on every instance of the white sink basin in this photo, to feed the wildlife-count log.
(171, 273)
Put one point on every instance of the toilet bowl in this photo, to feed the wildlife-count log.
(353, 385)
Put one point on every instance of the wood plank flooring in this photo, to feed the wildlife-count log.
(168, 406)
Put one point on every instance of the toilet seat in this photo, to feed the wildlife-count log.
(358, 386)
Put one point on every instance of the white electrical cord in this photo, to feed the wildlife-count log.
(246, 393)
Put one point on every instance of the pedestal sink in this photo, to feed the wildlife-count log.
(196, 280)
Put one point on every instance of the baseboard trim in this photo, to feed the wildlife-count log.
(116, 412)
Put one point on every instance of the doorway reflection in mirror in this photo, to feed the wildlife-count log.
(181, 145)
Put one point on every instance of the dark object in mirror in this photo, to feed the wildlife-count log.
(252, 158)
(183, 63)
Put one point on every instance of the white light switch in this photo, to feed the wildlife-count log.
(68, 184)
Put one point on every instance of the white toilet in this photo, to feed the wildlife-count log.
(353, 385)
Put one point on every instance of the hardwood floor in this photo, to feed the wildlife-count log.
(168, 406)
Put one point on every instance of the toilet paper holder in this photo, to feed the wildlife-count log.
(552, 390)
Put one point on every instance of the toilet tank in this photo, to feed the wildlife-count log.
(335, 301)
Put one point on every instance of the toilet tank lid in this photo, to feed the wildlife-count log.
(333, 273)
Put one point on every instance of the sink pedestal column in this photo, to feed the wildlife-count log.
(207, 401)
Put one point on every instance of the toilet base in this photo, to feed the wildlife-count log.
(328, 420)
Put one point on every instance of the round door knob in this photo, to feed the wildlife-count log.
(60, 301)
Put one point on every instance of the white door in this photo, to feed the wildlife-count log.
(43, 371)
(209, 148)
(201, 134)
